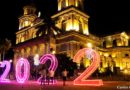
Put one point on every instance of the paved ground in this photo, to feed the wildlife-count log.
(120, 85)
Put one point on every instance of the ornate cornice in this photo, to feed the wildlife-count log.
(70, 10)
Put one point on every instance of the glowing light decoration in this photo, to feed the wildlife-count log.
(36, 60)
(54, 62)
(5, 73)
(81, 80)
(52, 58)
(22, 74)
(89, 54)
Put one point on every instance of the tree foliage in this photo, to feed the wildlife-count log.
(5, 45)
(65, 62)
(48, 30)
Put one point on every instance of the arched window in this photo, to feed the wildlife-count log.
(81, 47)
(104, 44)
(63, 25)
(114, 43)
(129, 42)
(75, 3)
(79, 4)
(126, 55)
(80, 27)
(63, 4)
(22, 39)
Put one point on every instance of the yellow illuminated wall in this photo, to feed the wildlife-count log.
(23, 36)
(78, 21)
(73, 21)
(65, 3)
(28, 16)
(72, 25)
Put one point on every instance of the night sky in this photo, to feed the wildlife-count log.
(106, 16)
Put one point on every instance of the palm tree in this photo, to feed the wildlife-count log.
(5, 45)
(48, 30)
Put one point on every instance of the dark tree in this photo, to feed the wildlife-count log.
(82, 67)
(65, 62)
(48, 30)
(108, 71)
(5, 45)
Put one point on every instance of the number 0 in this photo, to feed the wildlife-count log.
(22, 70)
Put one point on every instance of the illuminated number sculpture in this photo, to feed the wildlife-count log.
(22, 70)
(91, 54)
(5, 73)
(54, 62)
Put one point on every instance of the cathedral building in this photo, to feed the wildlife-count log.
(114, 49)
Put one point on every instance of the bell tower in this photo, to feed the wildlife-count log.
(30, 9)
(67, 3)
(28, 16)
(71, 16)
(27, 23)
(74, 23)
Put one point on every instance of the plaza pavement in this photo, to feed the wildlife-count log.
(31, 85)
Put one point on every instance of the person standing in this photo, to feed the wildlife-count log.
(43, 76)
(48, 77)
(51, 75)
(64, 76)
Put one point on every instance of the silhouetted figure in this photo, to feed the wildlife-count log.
(51, 75)
(47, 77)
(64, 76)
(43, 76)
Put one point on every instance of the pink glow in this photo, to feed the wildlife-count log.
(54, 62)
(52, 58)
(4, 75)
(81, 80)
(19, 77)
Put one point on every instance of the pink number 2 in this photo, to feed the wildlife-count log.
(5, 73)
(81, 80)
(54, 62)
(52, 58)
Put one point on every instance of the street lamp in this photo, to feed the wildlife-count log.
(125, 71)
(10, 60)
(53, 52)
(89, 45)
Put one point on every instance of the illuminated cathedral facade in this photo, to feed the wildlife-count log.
(114, 49)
